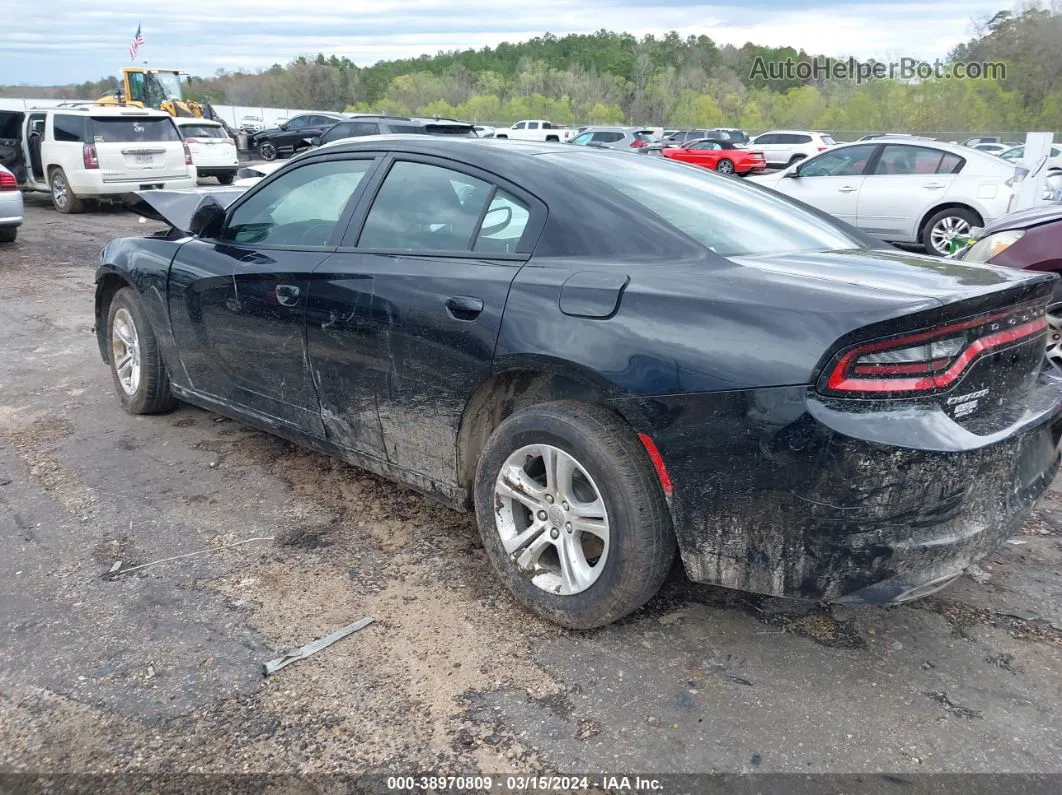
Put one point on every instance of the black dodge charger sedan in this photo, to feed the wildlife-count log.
(607, 357)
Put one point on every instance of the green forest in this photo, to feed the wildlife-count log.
(608, 77)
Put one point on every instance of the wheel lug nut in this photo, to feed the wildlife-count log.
(549, 498)
(564, 506)
(554, 533)
(542, 516)
(568, 527)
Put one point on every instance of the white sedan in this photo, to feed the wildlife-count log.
(916, 191)
(10, 207)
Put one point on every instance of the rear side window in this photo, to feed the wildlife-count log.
(503, 225)
(202, 131)
(448, 129)
(914, 160)
(828, 140)
(405, 129)
(125, 130)
(798, 139)
(532, 125)
(607, 137)
(950, 164)
(68, 128)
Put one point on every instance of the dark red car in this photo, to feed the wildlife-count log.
(725, 157)
(1028, 240)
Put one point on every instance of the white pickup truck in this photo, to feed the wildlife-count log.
(535, 130)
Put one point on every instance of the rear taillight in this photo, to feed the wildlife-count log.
(7, 181)
(823, 148)
(929, 360)
(187, 154)
(88, 155)
(638, 144)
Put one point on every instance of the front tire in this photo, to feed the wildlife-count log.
(944, 226)
(140, 375)
(8, 234)
(63, 198)
(267, 151)
(590, 541)
(226, 179)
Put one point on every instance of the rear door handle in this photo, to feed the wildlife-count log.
(933, 186)
(846, 189)
(287, 294)
(464, 307)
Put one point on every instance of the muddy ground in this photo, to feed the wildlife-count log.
(160, 670)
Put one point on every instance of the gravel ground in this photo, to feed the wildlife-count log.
(160, 670)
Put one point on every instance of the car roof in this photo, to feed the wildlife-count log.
(102, 110)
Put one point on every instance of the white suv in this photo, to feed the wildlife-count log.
(785, 147)
(93, 151)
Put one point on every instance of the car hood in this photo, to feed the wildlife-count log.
(892, 271)
(1024, 219)
(176, 207)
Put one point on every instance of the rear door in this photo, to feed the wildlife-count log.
(237, 303)
(766, 143)
(906, 182)
(137, 148)
(403, 320)
(832, 181)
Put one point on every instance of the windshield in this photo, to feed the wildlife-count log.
(169, 84)
(730, 217)
(203, 131)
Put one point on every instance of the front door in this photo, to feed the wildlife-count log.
(238, 303)
(403, 319)
(831, 181)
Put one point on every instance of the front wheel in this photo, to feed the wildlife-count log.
(267, 151)
(140, 375)
(725, 166)
(943, 227)
(572, 514)
(8, 234)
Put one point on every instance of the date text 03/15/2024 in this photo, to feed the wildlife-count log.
(517, 783)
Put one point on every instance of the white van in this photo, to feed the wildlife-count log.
(95, 152)
(213, 151)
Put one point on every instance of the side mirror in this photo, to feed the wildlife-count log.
(208, 218)
(282, 126)
(315, 141)
(794, 174)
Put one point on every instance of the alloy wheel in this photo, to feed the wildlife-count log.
(125, 349)
(946, 230)
(552, 519)
(1054, 337)
(725, 167)
(267, 151)
(59, 190)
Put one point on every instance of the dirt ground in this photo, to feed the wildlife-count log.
(159, 670)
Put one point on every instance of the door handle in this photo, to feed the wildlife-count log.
(933, 186)
(464, 307)
(287, 294)
(846, 189)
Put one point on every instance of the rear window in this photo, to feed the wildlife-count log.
(203, 131)
(728, 216)
(828, 140)
(125, 130)
(449, 129)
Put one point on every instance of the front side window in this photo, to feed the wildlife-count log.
(706, 145)
(126, 130)
(301, 208)
(728, 216)
(766, 138)
(298, 123)
(421, 207)
(582, 140)
(848, 162)
(518, 126)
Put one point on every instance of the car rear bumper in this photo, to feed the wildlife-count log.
(100, 188)
(776, 492)
(218, 171)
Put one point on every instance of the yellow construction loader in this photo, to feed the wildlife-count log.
(149, 87)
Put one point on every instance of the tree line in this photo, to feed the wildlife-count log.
(608, 77)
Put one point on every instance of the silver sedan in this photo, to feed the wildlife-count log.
(10, 207)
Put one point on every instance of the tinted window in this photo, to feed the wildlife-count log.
(424, 208)
(768, 138)
(202, 131)
(726, 215)
(69, 128)
(910, 160)
(847, 162)
(359, 128)
(532, 125)
(503, 225)
(607, 137)
(706, 145)
(298, 122)
(301, 208)
(336, 132)
(116, 129)
(518, 126)
(583, 139)
(322, 121)
(405, 129)
(950, 164)
(449, 129)
(798, 139)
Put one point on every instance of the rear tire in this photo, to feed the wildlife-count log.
(63, 198)
(725, 166)
(586, 578)
(226, 179)
(8, 234)
(942, 226)
(140, 375)
(267, 151)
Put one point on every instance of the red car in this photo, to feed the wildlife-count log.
(722, 156)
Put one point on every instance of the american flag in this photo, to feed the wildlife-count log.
(138, 39)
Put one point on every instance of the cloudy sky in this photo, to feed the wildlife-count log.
(61, 41)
